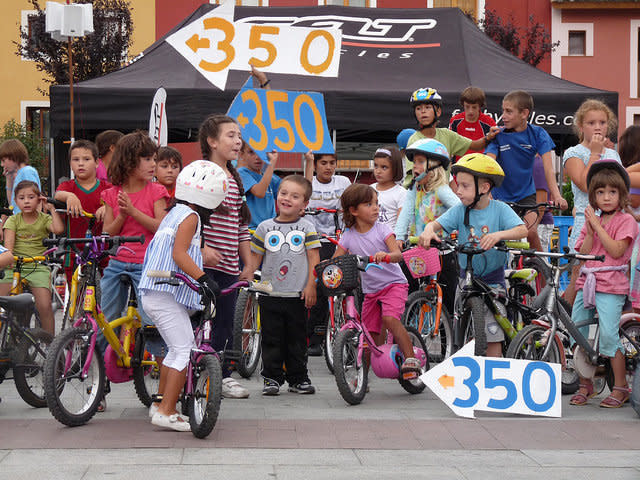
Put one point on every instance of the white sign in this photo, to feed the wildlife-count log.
(158, 119)
(467, 383)
(63, 21)
(214, 44)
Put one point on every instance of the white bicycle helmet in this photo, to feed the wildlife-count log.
(202, 183)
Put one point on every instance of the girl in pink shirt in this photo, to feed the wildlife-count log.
(604, 285)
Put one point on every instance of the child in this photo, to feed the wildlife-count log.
(14, 159)
(260, 186)
(387, 170)
(610, 234)
(385, 289)
(227, 238)
(200, 188)
(23, 235)
(403, 140)
(476, 175)
(82, 193)
(327, 189)
(168, 166)
(593, 122)
(471, 122)
(287, 246)
(427, 199)
(629, 147)
(106, 143)
(515, 149)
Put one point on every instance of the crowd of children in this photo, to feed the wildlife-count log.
(197, 220)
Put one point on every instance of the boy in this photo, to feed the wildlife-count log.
(168, 166)
(82, 193)
(287, 246)
(106, 143)
(260, 187)
(515, 149)
(327, 190)
(471, 122)
(479, 215)
(14, 159)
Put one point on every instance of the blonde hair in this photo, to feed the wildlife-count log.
(589, 105)
(438, 179)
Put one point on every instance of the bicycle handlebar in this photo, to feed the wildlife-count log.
(115, 240)
(60, 205)
(319, 210)
(172, 276)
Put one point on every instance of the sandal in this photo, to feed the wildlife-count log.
(613, 402)
(583, 398)
(411, 368)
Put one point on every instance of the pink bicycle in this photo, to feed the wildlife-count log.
(354, 347)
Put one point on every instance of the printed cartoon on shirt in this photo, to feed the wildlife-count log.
(285, 245)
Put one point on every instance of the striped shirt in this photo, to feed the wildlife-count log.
(159, 256)
(226, 232)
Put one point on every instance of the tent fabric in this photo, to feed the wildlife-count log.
(386, 55)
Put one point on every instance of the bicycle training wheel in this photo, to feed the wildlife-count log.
(530, 344)
(28, 372)
(146, 378)
(246, 333)
(635, 391)
(204, 402)
(72, 399)
(421, 310)
(630, 338)
(415, 385)
(349, 370)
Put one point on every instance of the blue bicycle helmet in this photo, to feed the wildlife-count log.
(430, 148)
(403, 137)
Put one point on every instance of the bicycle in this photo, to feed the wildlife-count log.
(203, 388)
(74, 376)
(354, 343)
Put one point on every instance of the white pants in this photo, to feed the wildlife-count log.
(172, 321)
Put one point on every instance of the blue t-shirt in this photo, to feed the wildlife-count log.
(497, 216)
(25, 173)
(515, 152)
(261, 208)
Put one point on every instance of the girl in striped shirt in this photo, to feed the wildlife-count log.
(227, 237)
(200, 188)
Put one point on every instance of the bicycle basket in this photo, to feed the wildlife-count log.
(338, 275)
(422, 261)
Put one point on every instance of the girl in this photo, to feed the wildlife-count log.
(200, 188)
(133, 206)
(168, 166)
(385, 289)
(23, 235)
(593, 122)
(609, 234)
(227, 237)
(387, 169)
(629, 147)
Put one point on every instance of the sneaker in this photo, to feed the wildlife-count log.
(314, 350)
(102, 406)
(154, 408)
(271, 387)
(173, 422)
(304, 388)
(232, 389)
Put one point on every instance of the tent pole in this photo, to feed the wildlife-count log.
(70, 53)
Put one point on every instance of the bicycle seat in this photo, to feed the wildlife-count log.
(17, 302)
(526, 274)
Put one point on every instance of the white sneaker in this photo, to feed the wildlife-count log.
(173, 422)
(154, 408)
(232, 389)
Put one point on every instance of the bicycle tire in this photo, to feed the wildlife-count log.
(351, 378)
(61, 389)
(635, 391)
(332, 332)
(440, 347)
(475, 306)
(246, 334)
(632, 352)
(526, 345)
(415, 386)
(146, 378)
(204, 402)
(28, 373)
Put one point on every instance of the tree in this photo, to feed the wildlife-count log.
(531, 44)
(94, 55)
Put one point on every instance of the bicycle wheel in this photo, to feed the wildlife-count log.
(421, 308)
(72, 399)
(530, 344)
(332, 332)
(146, 378)
(28, 371)
(246, 333)
(415, 386)
(635, 391)
(204, 402)
(474, 309)
(630, 338)
(349, 370)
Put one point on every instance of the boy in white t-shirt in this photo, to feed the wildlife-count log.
(327, 190)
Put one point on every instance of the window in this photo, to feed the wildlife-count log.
(349, 3)
(246, 3)
(636, 119)
(577, 42)
(34, 29)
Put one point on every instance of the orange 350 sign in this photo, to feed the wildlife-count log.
(214, 44)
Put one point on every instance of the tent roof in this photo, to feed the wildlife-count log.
(371, 93)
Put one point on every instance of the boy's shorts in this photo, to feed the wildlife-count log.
(388, 302)
(492, 328)
(36, 276)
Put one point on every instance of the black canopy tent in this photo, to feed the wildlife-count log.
(386, 54)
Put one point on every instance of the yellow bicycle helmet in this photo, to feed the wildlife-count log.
(480, 165)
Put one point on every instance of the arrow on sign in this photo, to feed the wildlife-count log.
(195, 43)
(446, 381)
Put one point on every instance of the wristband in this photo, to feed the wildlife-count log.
(262, 85)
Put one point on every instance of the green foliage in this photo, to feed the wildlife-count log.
(568, 196)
